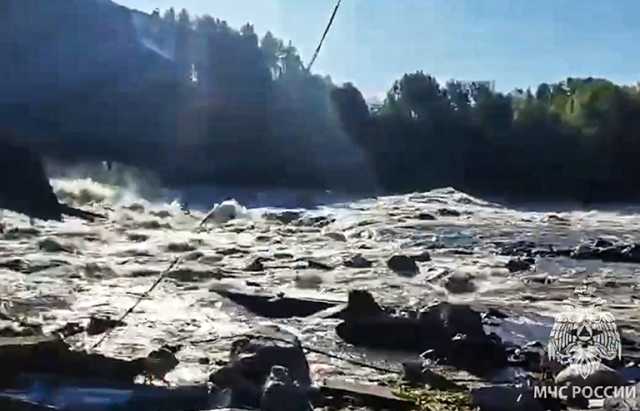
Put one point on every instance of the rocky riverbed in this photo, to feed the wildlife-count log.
(245, 270)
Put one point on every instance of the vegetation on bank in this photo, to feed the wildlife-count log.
(215, 104)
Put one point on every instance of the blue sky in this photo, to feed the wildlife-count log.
(517, 43)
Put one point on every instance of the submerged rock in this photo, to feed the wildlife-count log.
(255, 265)
(520, 264)
(357, 261)
(449, 212)
(403, 265)
(460, 283)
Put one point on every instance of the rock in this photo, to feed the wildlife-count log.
(423, 257)
(520, 264)
(315, 221)
(100, 325)
(255, 265)
(137, 237)
(415, 372)
(280, 393)
(276, 306)
(51, 355)
(224, 212)
(403, 265)
(285, 217)
(603, 376)
(252, 359)
(336, 236)
(187, 274)
(194, 256)
(161, 214)
(383, 332)
(357, 261)
(456, 333)
(180, 247)
(448, 212)
(318, 265)
(426, 217)
(135, 207)
(160, 362)
(361, 304)
(24, 186)
(460, 283)
(51, 245)
(19, 233)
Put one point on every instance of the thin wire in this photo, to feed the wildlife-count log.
(144, 295)
(324, 36)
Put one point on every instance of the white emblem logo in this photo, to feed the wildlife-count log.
(584, 336)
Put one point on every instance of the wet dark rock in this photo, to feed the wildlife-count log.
(361, 304)
(69, 329)
(193, 256)
(100, 325)
(357, 261)
(520, 264)
(160, 362)
(415, 372)
(281, 393)
(24, 186)
(51, 245)
(51, 355)
(603, 376)
(252, 358)
(276, 306)
(423, 257)
(449, 212)
(19, 233)
(336, 236)
(187, 274)
(606, 251)
(180, 247)
(403, 265)
(318, 265)
(285, 217)
(453, 333)
(255, 265)
(137, 237)
(31, 266)
(426, 217)
(384, 332)
(460, 283)
(320, 221)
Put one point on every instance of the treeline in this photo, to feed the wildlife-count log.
(577, 139)
(200, 102)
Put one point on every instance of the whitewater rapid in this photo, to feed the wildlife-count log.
(55, 273)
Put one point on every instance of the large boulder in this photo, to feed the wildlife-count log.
(24, 186)
(252, 359)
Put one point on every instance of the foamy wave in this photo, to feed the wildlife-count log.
(84, 191)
